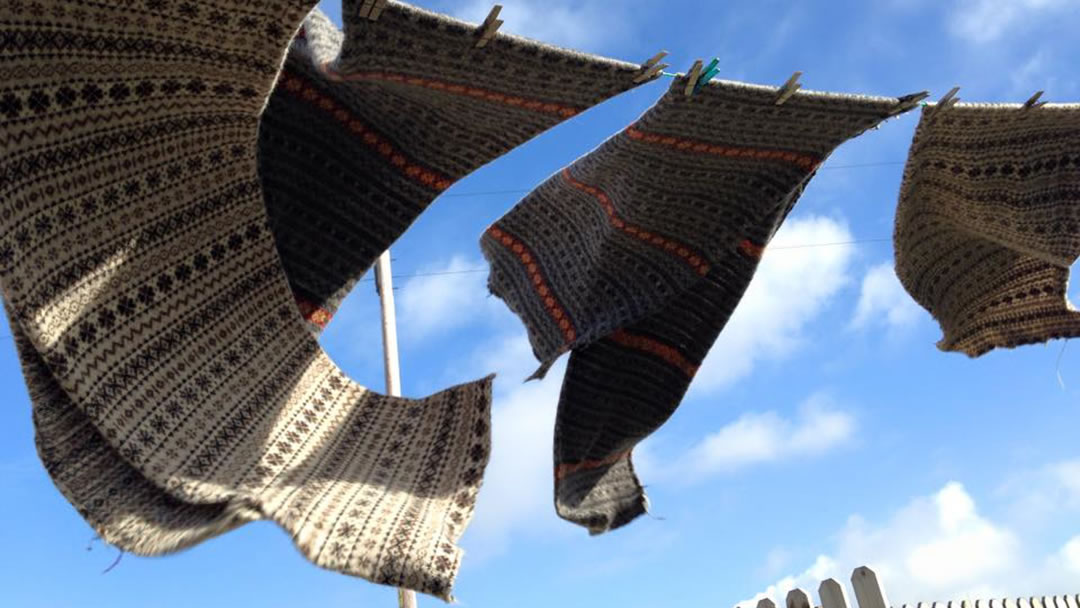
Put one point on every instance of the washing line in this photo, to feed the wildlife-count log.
(823, 168)
(774, 248)
(496, 192)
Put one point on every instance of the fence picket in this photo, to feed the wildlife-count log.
(832, 594)
(797, 598)
(868, 591)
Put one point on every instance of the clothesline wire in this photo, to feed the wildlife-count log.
(774, 248)
(485, 269)
(494, 192)
(824, 168)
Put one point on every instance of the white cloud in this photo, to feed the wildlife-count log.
(1070, 554)
(516, 495)
(450, 296)
(569, 23)
(883, 301)
(984, 21)
(756, 438)
(766, 437)
(1044, 495)
(939, 547)
(822, 568)
(791, 287)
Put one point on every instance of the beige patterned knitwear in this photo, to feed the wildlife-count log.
(177, 392)
(989, 223)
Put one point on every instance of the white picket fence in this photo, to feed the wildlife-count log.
(870, 594)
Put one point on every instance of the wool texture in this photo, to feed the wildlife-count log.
(634, 257)
(988, 223)
(177, 392)
(367, 127)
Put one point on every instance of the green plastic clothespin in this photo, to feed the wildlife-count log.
(707, 74)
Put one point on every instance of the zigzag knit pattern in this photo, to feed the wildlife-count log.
(634, 257)
(368, 127)
(177, 392)
(988, 223)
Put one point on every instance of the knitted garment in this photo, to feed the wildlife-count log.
(367, 128)
(177, 393)
(634, 257)
(989, 223)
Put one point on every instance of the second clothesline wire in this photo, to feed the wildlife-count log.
(496, 192)
(777, 247)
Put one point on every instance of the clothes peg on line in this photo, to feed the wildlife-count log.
(376, 10)
(692, 78)
(652, 67)
(1034, 102)
(947, 101)
(907, 102)
(490, 26)
(707, 74)
(788, 89)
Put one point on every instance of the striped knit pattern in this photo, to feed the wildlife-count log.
(989, 223)
(367, 128)
(634, 257)
(177, 393)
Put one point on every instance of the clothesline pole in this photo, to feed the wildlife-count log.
(384, 284)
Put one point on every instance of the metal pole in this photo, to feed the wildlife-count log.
(384, 284)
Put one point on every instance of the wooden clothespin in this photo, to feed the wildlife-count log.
(489, 26)
(376, 10)
(907, 102)
(1034, 102)
(365, 9)
(789, 88)
(692, 78)
(947, 101)
(707, 74)
(652, 67)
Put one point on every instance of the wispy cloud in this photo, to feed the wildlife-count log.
(883, 301)
(757, 438)
(1070, 555)
(516, 496)
(790, 289)
(1044, 495)
(450, 296)
(592, 26)
(986, 21)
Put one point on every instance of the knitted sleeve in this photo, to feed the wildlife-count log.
(696, 181)
(989, 223)
(177, 391)
(634, 257)
(367, 127)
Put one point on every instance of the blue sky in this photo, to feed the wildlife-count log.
(825, 431)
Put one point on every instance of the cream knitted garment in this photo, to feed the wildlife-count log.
(176, 388)
(989, 223)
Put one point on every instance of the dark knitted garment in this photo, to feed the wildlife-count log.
(177, 393)
(989, 223)
(354, 146)
(634, 257)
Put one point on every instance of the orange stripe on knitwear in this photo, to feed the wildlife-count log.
(694, 259)
(563, 470)
(799, 159)
(540, 284)
(668, 353)
(304, 89)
